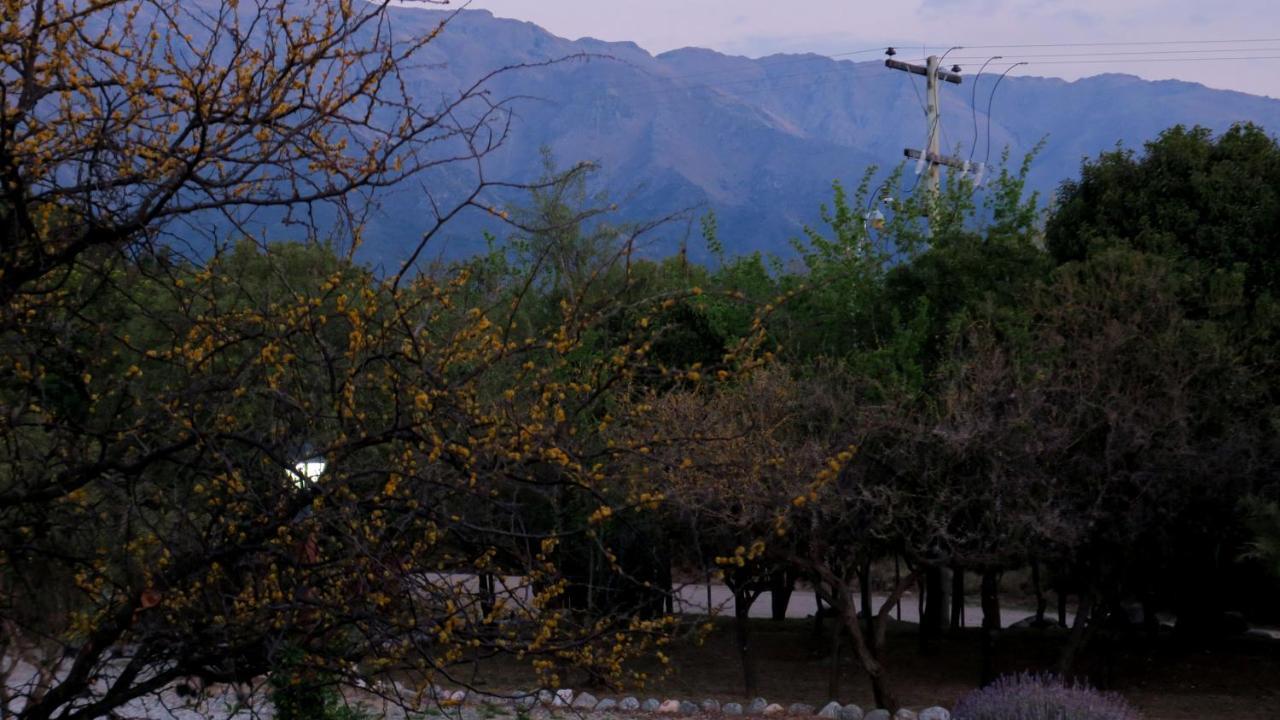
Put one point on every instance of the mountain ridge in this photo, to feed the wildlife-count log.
(759, 140)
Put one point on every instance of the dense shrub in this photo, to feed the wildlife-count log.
(299, 692)
(1041, 697)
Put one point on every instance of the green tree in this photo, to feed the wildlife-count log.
(1213, 202)
(1207, 206)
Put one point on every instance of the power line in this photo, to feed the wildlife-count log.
(856, 52)
(990, 100)
(911, 190)
(1147, 60)
(973, 105)
(1122, 44)
(1127, 53)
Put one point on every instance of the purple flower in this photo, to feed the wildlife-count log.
(1041, 697)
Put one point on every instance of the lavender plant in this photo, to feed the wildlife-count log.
(1042, 697)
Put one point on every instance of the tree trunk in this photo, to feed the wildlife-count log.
(990, 623)
(957, 599)
(882, 692)
(921, 591)
(1106, 643)
(665, 578)
(817, 636)
(782, 585)
(833, 672)
(922, 633)
(593, 588)
(1042, 603)
(1068, 658)
(934, 621)
(897, 580)
(868, 651)
(488, 594)
(710, 603)
(742, 601)
(1062, 608)
(864, 588)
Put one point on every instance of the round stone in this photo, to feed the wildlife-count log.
(731, 709)
(606, 704)
(799, 709)
(935, 713)
(849, 712)
(650, 705)
(629, 704)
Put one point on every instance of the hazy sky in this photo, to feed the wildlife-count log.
(761, 27)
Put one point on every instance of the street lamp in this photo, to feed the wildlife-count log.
(306, 472)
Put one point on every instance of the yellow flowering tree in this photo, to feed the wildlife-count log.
(157, 500)
(273, 457)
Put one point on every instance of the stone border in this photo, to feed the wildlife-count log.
(585, 702)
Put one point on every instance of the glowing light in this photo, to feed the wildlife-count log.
(307, 471)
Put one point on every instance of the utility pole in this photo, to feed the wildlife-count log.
(934, 117)
(931, 153)
(934, 618)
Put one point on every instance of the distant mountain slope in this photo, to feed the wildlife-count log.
(758, 140)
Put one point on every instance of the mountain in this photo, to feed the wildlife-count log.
(759, 141)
